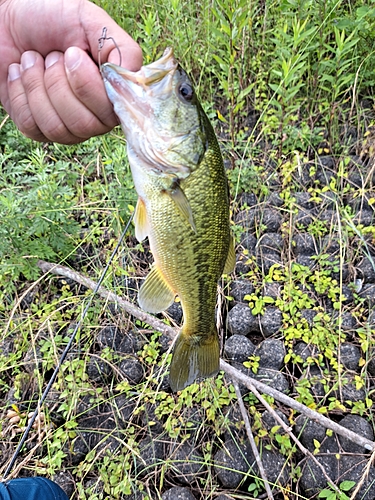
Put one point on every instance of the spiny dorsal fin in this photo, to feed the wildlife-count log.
(231, 258)
(155, 294)
(178, 196)
(140, 221)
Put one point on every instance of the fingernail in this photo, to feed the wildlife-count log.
(28, 60)
(14, 72)
(72, 58)
(51, 59)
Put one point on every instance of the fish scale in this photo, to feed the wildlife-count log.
(183, 204)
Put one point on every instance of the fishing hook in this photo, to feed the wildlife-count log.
(101, 41)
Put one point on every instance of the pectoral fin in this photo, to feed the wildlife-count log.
(231, 258)
(140, 221)
(155, 294)
(178, 196)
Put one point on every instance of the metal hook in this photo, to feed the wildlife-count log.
(101, 41)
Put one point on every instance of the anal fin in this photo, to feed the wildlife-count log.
(155, 294)
(140, 221)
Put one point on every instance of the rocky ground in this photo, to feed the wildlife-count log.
(298, 314)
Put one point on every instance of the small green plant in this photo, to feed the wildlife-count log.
(332, 494)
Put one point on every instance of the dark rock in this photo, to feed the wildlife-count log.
(325, 169)
(304, 244)
(239, 288)
(267, 260)
(355, 470)
(151, 455)
(248, 241)
(272, 378)
(132, 370)
(303, 218)
(271, 354)
(340, 272)
(272, 289)
(307, 430)
(238, 348)
(330, 245)
(66, 482)
(110, 336)
(328, 199)
(187, 463)
(306, 260)
(178, 493)
(32, 360)
(276, 467)
(246, 218)
(304, 200)
(358, 425)
(275, 200)
(350, 356)
(270, 243)
(267, 219)
(98, 369)
(308, 315)
(271, 321)
(242, 264)
(84, 442)
(135, 495)
(149, 419)
(271, 219)
(364, 217)
(329, 216)
(269, 421)
(368, 293)
(312, 480)
(131, 343)
(305, 350)
(248, 199)
(348, 294)
(233, 462)
(350, 392)
(123, 408)
(366, 270)
(165, 343)
(175, 311)
(348, 321)
(303, 176)
(32, 296)
(241, 321)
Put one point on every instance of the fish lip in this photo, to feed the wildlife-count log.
(135, 88)
(147, 75)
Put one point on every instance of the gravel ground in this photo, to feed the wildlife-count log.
(289, 344)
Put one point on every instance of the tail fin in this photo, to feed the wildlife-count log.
(193, 357)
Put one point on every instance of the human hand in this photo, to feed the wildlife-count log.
(49, 82)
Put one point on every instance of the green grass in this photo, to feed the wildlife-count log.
(282, 82)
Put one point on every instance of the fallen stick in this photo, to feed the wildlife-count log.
(235, 374)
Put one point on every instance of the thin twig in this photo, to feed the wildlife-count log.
(353, 496)
(235, 374)
(294, 438)
(252, 441)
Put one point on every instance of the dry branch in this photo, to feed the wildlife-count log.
(235, 374)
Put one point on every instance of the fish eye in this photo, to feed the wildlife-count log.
(186, 91)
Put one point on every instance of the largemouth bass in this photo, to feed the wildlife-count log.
(183, 204)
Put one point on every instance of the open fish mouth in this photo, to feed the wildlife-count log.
(154, 79)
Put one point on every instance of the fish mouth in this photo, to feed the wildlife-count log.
(138, 87)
